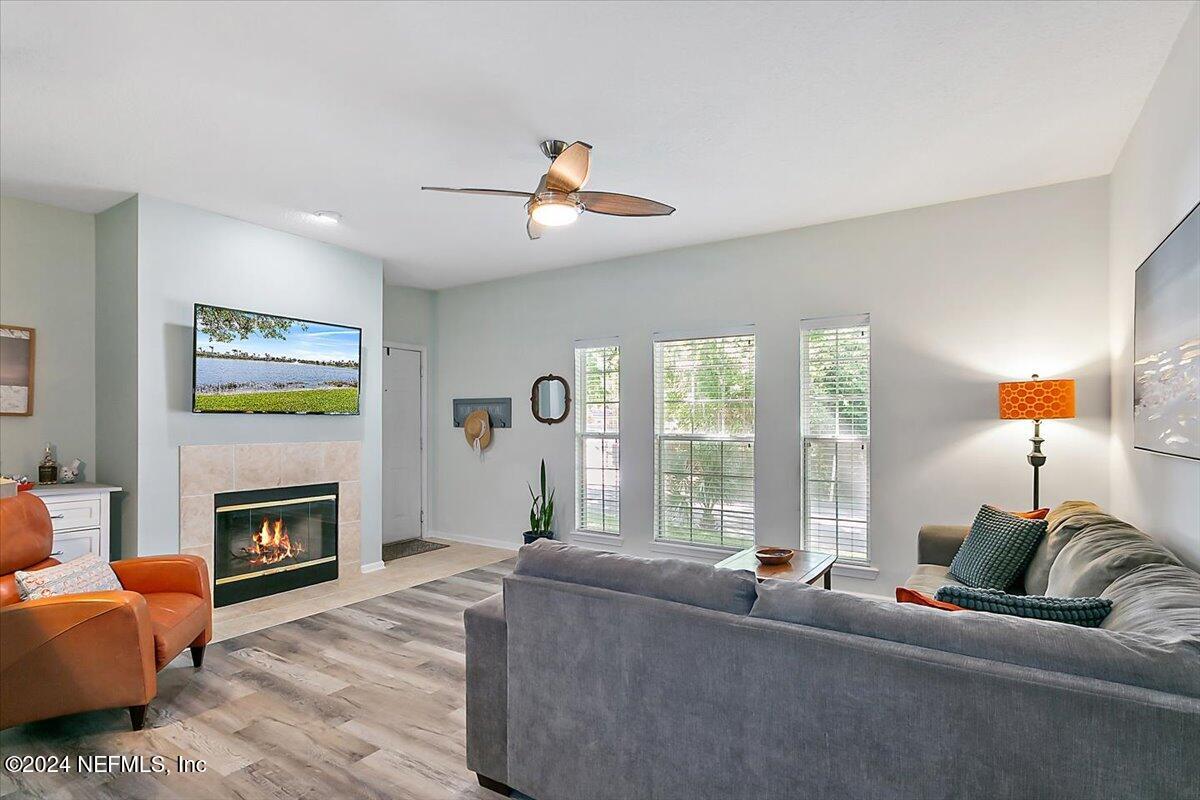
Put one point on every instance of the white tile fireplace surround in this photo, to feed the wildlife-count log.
(209, 469)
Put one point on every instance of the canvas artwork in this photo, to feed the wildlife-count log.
(16, 370)
(247, 362)
(1166, 391)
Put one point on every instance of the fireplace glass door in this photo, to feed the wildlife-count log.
(273, 540)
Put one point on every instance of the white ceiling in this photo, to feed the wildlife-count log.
(747, 117)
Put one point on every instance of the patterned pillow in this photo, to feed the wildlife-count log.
(997, 549)
(1086, 611)
(85, 574)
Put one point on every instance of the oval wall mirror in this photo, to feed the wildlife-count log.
(551, 399)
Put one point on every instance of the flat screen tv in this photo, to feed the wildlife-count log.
(245, 362)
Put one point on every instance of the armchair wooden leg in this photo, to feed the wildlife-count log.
(137, 716)
(494, 785)
(197, 655)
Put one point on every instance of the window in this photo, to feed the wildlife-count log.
(597, 437)
(836, 430)
(704, 440)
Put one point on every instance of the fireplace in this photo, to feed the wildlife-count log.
(271, 540)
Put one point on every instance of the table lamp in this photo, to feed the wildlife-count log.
(1037, 400)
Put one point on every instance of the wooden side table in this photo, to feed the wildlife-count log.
(807, 566)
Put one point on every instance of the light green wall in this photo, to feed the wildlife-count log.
(116, 366)
(48, 282)
(407, 315)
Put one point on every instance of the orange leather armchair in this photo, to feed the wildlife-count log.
(82, 652)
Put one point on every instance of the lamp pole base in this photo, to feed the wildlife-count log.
(1036, 459)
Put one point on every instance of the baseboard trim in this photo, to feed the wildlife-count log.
(476, 540)
(374, 566)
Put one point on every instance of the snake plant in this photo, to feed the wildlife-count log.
(541, 514)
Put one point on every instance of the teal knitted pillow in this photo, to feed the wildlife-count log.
(997, 550)
(1086, 611)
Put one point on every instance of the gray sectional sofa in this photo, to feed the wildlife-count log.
(598, 676)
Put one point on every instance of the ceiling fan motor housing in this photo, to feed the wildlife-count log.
(552, 148)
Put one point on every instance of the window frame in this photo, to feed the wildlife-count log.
(824, 324)
(658, 541)
(582, 436)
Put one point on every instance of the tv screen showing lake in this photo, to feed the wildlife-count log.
(260, 363)
(244, 375)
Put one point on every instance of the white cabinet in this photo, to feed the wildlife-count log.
(73, 544)
(80, 514)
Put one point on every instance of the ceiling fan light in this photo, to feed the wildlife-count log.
(554, 213)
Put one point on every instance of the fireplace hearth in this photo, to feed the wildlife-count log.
(273, 540)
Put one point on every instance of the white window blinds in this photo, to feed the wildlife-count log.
(704, 440)
(597, 438)
(836, 436)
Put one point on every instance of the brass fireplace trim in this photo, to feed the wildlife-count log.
(286, 568)
(264, 504)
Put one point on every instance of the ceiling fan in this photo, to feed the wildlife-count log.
(558, 200)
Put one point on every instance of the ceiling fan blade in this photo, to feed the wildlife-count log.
(569, 171)
(499, 192)
(533, 229)
(623, 205)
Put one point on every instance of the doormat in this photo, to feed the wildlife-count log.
(409, 547)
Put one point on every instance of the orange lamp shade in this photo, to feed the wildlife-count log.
(1037, 399)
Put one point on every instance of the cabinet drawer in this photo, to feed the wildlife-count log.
(66, 515)
(69, 546)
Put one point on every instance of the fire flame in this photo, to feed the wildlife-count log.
(272, 544)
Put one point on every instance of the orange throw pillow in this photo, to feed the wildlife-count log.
(1039, 513)
(916, 598)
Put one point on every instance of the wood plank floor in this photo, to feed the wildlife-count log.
(364, 701)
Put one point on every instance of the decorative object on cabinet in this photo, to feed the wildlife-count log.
(478, 431)
(16, 370)
(70, 474)
(1037, 400)
(48, 469)
(499, 410)
(79, 514)
(1166, 339)
(550, 399)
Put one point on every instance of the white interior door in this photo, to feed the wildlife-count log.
(403, 457)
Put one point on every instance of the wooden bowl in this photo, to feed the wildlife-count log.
(774, 555)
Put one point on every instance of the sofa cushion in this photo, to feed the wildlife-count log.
(928, 578)
(176, 619)
(1127, 658)
(664, 578)
(997, 549)
(1160, 600)
(1086, 611)
(1098, 555)
(1062, 524)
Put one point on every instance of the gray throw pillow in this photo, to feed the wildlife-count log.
(1160, 600)
(997, 549)
(1096, 557)
(1062, 524)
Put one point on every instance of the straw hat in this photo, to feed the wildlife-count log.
(478, 429)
